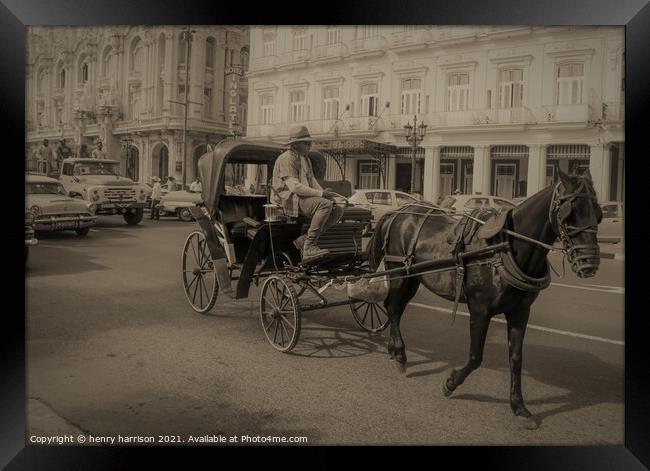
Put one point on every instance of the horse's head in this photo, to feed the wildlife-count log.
(575, 215)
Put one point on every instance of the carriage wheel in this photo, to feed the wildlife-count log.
(199, 276)
(280, 313)
(370, 316)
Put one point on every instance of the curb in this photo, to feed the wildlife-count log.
(613, 256)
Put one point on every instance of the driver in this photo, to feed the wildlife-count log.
(295, 189)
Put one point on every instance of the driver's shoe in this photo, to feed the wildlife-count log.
(299, 243)
(312, 252)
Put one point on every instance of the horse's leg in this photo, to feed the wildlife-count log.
(395, 304)
(517, 321)
(479, 321)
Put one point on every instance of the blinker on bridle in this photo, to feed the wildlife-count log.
(560, 210)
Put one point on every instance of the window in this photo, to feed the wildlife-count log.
(333, 36)
(297, 106)
(511, 88)
(550, 174)
(299, 40)
(136, 58)
(266, 109)
(331, 103)
(458, 92)
(61, 81)
(403, 198)
(609, 211)
(570, 78)
(207, 103)
(468, 177)
(477, 203)
(369, 99)
(505, 180)
(84, 72)
(182, 49)
(368, 176)
(268, 40)
(447, 178)
(210, 47)
(411, 96)
(380, 197)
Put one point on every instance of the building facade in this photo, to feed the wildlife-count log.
(505, 107)
(130, 87)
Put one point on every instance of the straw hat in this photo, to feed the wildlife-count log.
(299, 134)
(156, 179)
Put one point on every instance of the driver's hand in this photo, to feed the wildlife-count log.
(329, 194)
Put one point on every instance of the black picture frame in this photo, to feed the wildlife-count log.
(634, 14)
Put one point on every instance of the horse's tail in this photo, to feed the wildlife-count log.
(375, 248)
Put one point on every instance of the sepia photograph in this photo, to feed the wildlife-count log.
(325, 235)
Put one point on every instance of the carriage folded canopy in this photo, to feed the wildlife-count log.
(212, 165)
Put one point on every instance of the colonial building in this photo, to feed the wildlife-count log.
(505, 107)
(130, 87)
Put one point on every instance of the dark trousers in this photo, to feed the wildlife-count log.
(155, 212)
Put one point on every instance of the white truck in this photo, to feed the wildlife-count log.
(98, 181)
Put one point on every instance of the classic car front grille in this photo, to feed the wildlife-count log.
(116, 195)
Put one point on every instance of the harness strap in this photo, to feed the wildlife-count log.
(460, 282)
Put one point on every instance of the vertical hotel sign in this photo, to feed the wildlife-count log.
(233, 75)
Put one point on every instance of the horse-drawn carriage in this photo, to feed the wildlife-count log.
(498, 269)
(244, 238)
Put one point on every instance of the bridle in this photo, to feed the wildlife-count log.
(559, 210)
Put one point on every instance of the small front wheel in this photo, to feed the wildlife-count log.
(371, 317)
(184, 214)
(280, 313)
(134, 218)
(83, 231)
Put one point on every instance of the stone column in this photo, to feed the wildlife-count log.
(170, 69)
(599, 168)
(197, 70)
(482, 170)
(536, 169)
(392, 172)
(431, 189)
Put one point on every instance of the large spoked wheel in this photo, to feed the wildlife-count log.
(199, 276)
(280, 313)
(370, 316)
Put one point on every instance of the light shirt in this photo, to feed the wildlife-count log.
(98, 154)
(293, 178)
(196, 187)
(156, 193)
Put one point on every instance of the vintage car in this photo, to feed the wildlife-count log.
(178, 203)
(467, 203)
(379, 202)
(53, 210)
(612, 227)
(30, 236)
(99, 182)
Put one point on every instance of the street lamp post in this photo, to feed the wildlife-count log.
(414, 135)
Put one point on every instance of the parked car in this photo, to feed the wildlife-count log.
(178, 203)
(99, 182)
(379, 202)
(467, 203)
(520, 199)
(612, 227)
(30, 236)
(53, 209)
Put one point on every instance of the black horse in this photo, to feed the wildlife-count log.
(568, 211)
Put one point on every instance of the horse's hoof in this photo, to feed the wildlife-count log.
(445, 390)
(398, 365)
(528, 423)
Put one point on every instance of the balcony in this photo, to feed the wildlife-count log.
(567, 114)
(367, 47)
(505, 116)
(296, 58)
(260, 64)
(409, 40)
(329, 52)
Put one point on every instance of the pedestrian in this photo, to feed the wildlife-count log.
(156, 195)
(195, 186)
(99, 152)
(63, 152)
(83, 152)
(45, 155)
(171, 183)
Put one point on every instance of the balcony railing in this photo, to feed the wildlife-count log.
(567, 114)
(375, 44)
(264, 63)
(329, 51)
(295, 57)
(404, 39)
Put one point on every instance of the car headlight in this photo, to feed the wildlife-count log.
(92, 208)
(29, 218)
(35, 210)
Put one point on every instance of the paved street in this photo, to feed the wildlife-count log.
(113, 348)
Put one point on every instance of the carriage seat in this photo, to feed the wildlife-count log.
(235, 210)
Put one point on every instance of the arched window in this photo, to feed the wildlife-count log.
(182, 49)
(41, 86)
(210, 47)
(136, 55)
(243, 58)
(84, 72)
(61, 79)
